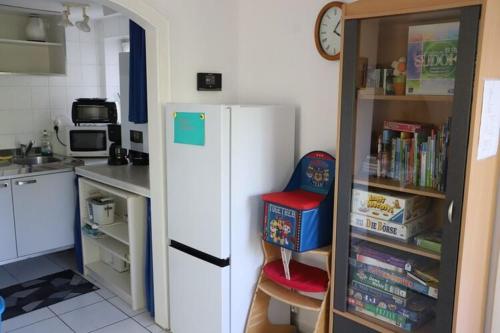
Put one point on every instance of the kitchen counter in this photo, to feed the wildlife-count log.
(130, 178)
(11, 171)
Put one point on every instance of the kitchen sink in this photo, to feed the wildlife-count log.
(35, 160)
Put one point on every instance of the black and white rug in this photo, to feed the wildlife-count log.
(39, 293)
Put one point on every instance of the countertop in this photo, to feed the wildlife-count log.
(12, 171)
(130, 178)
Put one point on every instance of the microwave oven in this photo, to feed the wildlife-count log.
(94, 111)
(87, 141)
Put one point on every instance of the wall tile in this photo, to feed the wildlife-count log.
(88, 53)
(40, 97)
(73, 53)
(74, 75)
(90, 75)
(39, 81)
(72, 34)
(58, 97)
(57, 81)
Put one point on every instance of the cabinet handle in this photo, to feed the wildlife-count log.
(450, 212)
(26, 182)
(4, 185)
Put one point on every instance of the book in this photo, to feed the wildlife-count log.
(418, 308)
(404, 126)
(430, 241)
(432, 59)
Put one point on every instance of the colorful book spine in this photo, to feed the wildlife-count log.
(402, 126)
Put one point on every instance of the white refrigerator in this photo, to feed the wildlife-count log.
(220, 159)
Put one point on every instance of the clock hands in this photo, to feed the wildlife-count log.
(335, 30)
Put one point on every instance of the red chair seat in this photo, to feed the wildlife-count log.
(298, 199)
(302, 277)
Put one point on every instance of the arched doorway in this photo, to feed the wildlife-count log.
(159, 92)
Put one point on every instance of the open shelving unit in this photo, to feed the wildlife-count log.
(125, 239)
(22, 56)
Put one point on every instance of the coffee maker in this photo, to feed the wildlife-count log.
(117, 154)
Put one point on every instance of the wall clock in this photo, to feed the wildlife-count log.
(328, 31)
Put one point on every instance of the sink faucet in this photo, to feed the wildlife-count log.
(25, 149)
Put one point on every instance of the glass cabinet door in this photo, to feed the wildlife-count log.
(406, 100)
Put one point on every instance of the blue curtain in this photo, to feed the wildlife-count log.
(150, 295)
(138, 95)
(78, 234)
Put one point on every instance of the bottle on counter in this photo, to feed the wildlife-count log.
(46, 144)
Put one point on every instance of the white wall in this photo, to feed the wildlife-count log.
(279, 63)
(30, 103)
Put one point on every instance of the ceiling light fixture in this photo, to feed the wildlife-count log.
(83, 25)
(65, 22)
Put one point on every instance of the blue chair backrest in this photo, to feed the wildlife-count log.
(314, 173)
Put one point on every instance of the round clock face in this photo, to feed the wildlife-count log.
(329, 31)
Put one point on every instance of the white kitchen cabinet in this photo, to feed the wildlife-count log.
(44, 210)
(7, 230)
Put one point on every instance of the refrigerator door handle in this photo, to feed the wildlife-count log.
(200, 255)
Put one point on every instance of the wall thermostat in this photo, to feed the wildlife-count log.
(209, 82)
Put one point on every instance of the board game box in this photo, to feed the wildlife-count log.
(418, 308)
(432, 59)
(428, 289)
(388, 206)
(398, 231)
(430, 241)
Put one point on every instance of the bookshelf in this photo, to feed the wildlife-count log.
(407, 247)
(402, 98)
(394, 185)
(417, 138)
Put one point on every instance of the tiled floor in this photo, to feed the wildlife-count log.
(100, 311)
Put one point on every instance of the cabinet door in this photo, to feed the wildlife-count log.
(7, 231)
(44, 208)
(403, 153)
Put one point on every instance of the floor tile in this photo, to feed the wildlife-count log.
(156, 329)
(125, 307)
(76, 303)
(104, 292)
(31, 269)
(129, 326)
(93, 317)
(27, 319)
(65, 259)
(6, 279)
(144, 319)
(53, 325)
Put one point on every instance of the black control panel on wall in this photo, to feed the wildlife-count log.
(209, 82)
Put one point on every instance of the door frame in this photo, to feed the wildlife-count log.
(157, 30)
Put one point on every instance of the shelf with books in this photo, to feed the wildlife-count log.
(394, 185)
(366, 95)
(406, 247)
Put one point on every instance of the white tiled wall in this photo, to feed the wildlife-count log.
(29, 104)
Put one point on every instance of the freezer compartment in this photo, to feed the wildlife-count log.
(199, 294)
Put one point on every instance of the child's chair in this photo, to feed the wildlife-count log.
(300, 219)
